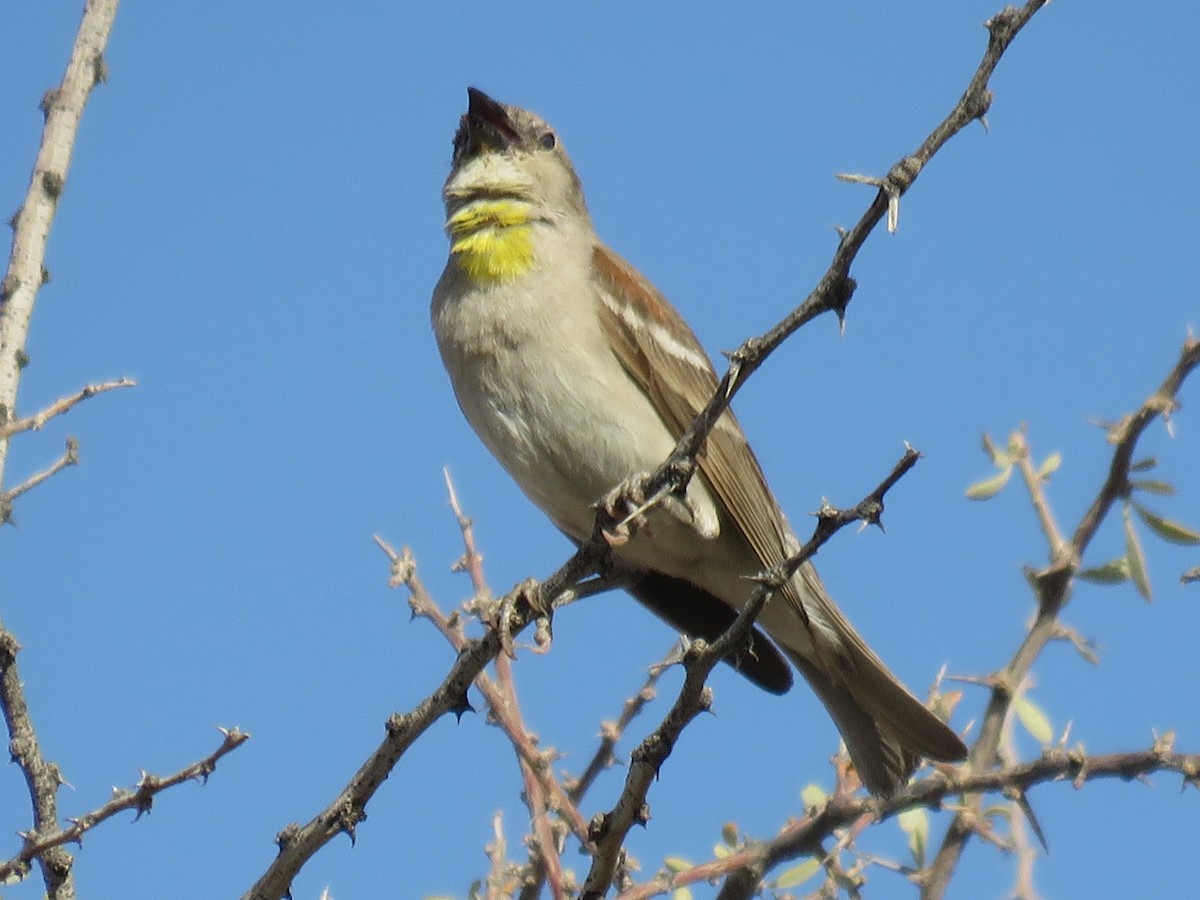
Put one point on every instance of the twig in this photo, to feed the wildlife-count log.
(70, 457)
(61, 406)
(1035, 485)
(502, 702)
(603, 758)
(1018, 822)
(472, 561)
(140, 798)
(611, 732)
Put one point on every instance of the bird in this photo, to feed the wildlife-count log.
(576, 372)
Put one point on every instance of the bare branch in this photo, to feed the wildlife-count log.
(70, 457)
(61, 406)
(140, 799)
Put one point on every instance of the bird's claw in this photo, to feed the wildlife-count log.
(624, 509)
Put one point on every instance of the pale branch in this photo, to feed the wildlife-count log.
(1035, 485)
(140, 798)
(70, 457)
(501, 696)
(1020, 821)
(611, 732)
(472, 561)
(609, 830)
(744, 869)
(61, 406)
(1052, 585)
(63, 108)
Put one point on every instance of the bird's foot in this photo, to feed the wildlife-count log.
(624, 509)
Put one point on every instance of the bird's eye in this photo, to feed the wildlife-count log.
(548, 140)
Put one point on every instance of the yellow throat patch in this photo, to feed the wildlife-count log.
(492, 240)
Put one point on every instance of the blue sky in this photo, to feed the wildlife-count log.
(252, 228)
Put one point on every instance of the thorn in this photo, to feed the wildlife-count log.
(461, 706)
(1022, 801)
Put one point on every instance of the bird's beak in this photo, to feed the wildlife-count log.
(485, 127)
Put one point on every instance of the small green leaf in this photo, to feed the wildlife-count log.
(1144, 465)
(1050, 465)
(681, 893)
(1135, 558)
(677, 864)
(813, 796)
(990, 487)
(798, 874)
(1153, 486)
(1115, 571)
(915, 823)
(720, 851)
(1166, 529)
(1036, 722)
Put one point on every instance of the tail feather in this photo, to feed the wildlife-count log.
(886, 729)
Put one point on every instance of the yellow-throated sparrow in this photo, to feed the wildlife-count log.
(576, 372)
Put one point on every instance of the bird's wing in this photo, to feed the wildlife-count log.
(660, 352)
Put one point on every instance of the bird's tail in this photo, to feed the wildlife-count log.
(886, 728)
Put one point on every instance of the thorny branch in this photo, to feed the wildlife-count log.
(140, 799)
